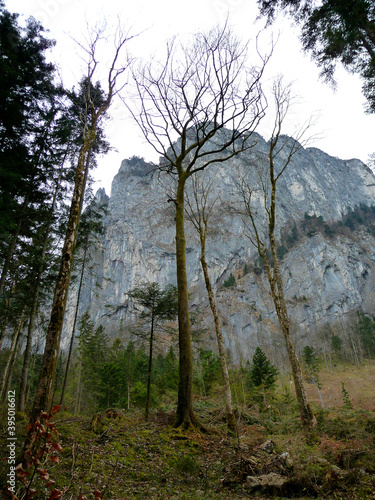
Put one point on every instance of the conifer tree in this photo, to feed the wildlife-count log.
(159, 306)
(335, 31)
(94, 103)
(263, 373)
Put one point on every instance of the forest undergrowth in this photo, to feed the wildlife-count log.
(115, 454)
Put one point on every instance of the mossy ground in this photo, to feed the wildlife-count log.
(129, 458)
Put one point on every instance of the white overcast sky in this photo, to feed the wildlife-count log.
(344, 129)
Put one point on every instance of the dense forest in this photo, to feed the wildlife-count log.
(152, 411)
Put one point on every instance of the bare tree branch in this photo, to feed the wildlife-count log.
(200, 106)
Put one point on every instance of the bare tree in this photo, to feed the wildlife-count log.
(199, 107)
(261, 224)
(93, 111)
(199, 213)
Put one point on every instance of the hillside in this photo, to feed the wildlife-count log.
(116, 455)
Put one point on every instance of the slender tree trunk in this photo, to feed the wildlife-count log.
(77, 406)
(26, 356)
(185, 416)
(277, 290)
(282, 314)
(44, 392)
(6, 313)
(47, 375)
(231, 421)
(34, 307)
(149, 368)
(74, 327)
(11, 358)
(10, 252)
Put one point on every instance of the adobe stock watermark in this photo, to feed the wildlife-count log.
(11, 439)
(49, 9)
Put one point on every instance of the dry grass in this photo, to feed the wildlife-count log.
(358, 381)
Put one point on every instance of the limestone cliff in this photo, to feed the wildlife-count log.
(326, 276)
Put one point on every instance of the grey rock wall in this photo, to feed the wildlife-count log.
(325, 278)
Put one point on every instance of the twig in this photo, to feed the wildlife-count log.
(110, 477)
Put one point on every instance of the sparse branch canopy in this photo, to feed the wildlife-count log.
(262, 229)
(200, 106)
(196, 92)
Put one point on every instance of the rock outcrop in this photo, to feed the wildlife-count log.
(326, 276)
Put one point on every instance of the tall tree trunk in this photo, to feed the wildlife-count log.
(74, 326)
(77, 406)
(34, 307)
(231, 421)
(44, 393)
(149, 368)
(185, 416)
(26, 356)
(11, 247)
(43, 398)
(277, 290)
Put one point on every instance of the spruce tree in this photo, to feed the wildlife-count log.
(263, 373)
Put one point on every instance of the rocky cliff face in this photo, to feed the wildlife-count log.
(326, 276)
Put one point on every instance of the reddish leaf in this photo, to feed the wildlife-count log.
(57, 446)
(55, 409)
(55, 494)
(50, 483)
(29, 427)
(97, 494)
(44, 415)
(23, 473)
(54, 459)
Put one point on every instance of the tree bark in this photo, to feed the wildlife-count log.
(47, 375)
(11, 358)
(231, 421)
(12, 246)
(185, 417)
(277, 290)
(34, 308)
(74, 325)
(149, 368)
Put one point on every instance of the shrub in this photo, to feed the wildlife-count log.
(230, 281)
